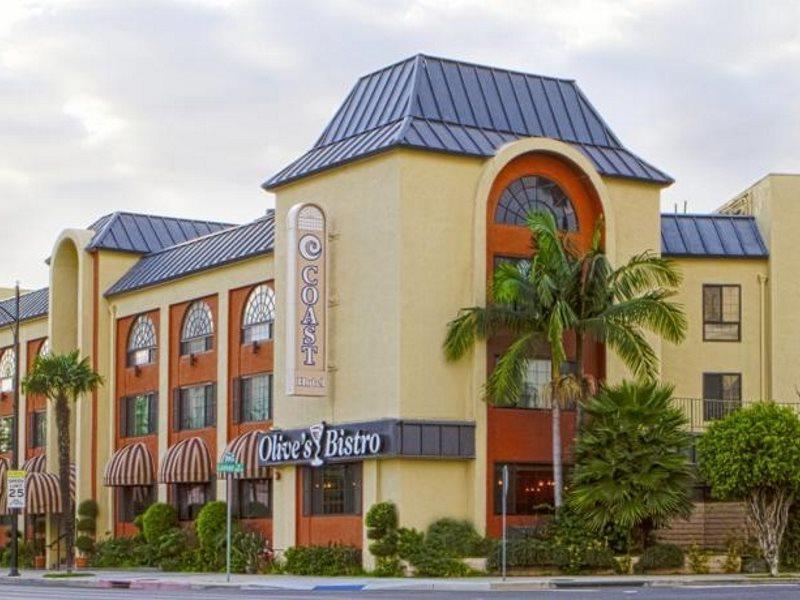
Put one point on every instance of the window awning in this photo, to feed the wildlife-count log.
(3, 469)
(131, 465)
(245, 449)
(35, 464)
(42, 494)
(188, 461)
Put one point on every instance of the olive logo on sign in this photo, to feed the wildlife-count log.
(310, 247)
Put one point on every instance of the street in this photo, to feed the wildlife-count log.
(722, 592)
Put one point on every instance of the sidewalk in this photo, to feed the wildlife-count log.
(156, 580)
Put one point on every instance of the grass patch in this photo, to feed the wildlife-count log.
(66, 575)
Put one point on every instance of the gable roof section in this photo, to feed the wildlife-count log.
(32, 305)
(214, 250)
(711, 236)
(132, 232)
(461, 108)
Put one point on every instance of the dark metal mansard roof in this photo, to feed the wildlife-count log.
(132, 232)
(207, 252)
(462, 108)
(711, 236)
(32, 305)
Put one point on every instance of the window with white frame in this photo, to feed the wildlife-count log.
(197, 333)
(258, 318)
(142, 342)
(7, 367)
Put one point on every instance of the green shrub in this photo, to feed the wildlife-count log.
(211, 525)
(26, 553)
(138, 522)
(158, 520)
(85, 525)
(698, 560)
(249, 552)
(457, 539)
(429, 561)
(85, 545)
(88, 509)
(381, 521)
(660, 556)
(122, 552)
(571, 558)
(326, 561)
(170, 545)
(409, 542)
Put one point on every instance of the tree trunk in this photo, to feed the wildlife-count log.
(580, 368)
(67, 510)
(558, 475)
(769, 512)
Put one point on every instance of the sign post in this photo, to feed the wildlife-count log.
(229, 467)
(505, 528)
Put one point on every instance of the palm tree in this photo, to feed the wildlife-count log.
(63, 378)
(561, 290)
(632, 467)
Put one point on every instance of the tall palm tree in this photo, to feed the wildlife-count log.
(63, 378)
(563, 289)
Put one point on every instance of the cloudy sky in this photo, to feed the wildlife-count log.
(185, 107)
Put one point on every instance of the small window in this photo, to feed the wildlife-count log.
(530, 489)
(6, 432)
(722, 394)
(197, 333)
(38, 431)
(142, 342)
(722, 313)
(258, 320)
(139, 415)
(196, 407)
(190, 498)
(531, 194)
(332, 489)
(254, 499)
(255, 398)
(7, 368)
(133, 501)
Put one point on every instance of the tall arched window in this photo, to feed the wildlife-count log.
(7, 366)
(258, 319)
(530, 194)
(44, 349)
(142, 342)
(197, 334)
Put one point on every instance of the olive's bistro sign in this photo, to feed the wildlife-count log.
(306, 299)
(318, 445)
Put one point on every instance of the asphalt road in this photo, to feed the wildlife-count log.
(733, 592)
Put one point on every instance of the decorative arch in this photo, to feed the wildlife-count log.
(197, 332)
(258, 317)
(142, 341)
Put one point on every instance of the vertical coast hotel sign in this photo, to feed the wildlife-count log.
(307, 304)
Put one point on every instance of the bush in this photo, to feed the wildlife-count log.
(211, 525)
(660, 556)
(429, 561)
(381, 521)
(88, 509)
(698, 560)
(160, 518)
(457, 539)
(85, 525)
(326, 561)
(26, 553)
(250, 552)
(85, 545)
(122, 552)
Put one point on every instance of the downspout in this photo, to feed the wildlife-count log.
(762, 333)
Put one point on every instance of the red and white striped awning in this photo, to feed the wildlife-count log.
(3, 469)
(131, 465)
(245, 449)
(188, 461)
(42, 495)
(35, 464)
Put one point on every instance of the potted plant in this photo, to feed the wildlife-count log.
(38, 551)
(86, 526)
(85, 546)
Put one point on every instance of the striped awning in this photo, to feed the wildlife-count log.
(35, 464)
(3, 469)
(131, 465)
(188, 461)
(42, 495)
(245, 449)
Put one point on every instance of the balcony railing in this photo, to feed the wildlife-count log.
(700, 412)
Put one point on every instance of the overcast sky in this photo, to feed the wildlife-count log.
(185, 107)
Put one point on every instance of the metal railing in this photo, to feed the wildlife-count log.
(700, 412)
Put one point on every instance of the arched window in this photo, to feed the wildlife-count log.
(44, 349)
(197, 334)
(531, 194)
(142, 342)
(258, 319)
(7, 366)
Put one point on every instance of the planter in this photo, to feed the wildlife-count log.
(39, 561)
(81, 562)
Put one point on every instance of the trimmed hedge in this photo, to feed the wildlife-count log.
(325, 561)
(160, 518)
(528, 552)
(661, 556)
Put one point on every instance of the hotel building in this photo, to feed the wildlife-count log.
(415, 189)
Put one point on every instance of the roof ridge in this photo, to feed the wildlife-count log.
(491, 68)
(154, 216)
(707, 215)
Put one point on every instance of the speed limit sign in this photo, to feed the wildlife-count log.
(15, 489)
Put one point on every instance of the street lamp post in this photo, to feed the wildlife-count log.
(13, 563)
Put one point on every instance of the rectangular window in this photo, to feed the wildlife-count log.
(197, 345)
(536, 383)
(254, 499)
(6, 431)
(257, 332)
(133, 500)
(722, 313)
(143, 356)
(332, 490)
(196, 407)
(139, 415)
(190, 498)
(530, 489)
(255, 398)
(38, 431)
(722, 394)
